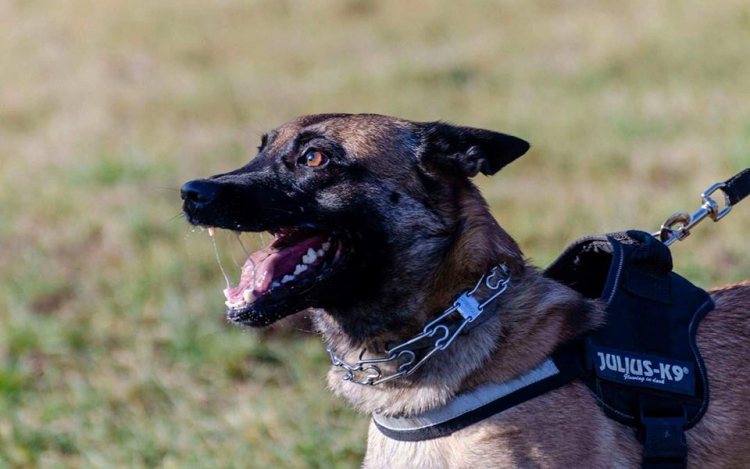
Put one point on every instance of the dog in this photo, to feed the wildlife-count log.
(378, 228)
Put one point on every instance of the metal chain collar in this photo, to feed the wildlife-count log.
(366, 370)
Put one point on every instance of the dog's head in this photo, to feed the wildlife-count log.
(364, 210)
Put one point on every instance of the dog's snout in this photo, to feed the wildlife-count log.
(199, 192)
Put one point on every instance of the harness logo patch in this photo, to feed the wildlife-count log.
(634, 369)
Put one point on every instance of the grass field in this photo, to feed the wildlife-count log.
(114, 351)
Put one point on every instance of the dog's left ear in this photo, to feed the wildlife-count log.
(468, 150)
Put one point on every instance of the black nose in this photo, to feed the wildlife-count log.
(199, 193)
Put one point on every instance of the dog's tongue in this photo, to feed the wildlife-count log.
(268, 265)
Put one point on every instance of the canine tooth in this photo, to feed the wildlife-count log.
(287, 278)
(226, 293)
(275, 284)
(320, 253)
(300, 268)
(248, 296)
(326, 246)
(310, 257)
(211, 230)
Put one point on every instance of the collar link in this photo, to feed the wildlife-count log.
(441, 332)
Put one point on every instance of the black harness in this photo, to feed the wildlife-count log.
(643, 367)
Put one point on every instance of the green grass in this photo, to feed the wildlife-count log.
(113, 348)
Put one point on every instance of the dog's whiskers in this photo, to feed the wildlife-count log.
(179, 215)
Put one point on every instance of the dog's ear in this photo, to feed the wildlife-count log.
(467, 150)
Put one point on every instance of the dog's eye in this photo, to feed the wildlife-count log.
(313, 159)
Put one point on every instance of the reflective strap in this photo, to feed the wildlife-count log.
(467, 402)
(485, 401)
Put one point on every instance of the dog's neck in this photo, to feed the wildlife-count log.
(527, 322)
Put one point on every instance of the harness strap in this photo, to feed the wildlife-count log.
(738, 186)
(469, 408)
(662, 433)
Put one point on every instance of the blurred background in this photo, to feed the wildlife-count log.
(114, 350)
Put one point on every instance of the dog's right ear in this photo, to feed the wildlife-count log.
(466, 150)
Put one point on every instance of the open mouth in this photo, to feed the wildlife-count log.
(297, 262)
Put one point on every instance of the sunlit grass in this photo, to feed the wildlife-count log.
(113, 348)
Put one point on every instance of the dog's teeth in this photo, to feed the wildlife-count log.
(310, 257)
(275, 284)
(259, 281)
(299, 269)
(287, 278)
(320, 253)
(326, 246)
(211, 230)
(248, 296)
(226, 293)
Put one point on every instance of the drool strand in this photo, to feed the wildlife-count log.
(221, 266)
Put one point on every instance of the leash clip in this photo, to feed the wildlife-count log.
(677, 227)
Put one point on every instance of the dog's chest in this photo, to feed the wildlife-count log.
(384, 453)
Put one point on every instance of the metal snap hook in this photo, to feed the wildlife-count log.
(674, 225)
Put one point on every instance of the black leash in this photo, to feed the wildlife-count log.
(738, 186)
(677, 227)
